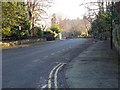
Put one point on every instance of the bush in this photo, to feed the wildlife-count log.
(6, 32)
(15, 35)
(39, 31)
(50, 35)
(49, 32)
(55, 29)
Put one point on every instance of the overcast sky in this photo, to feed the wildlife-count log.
(69, 8)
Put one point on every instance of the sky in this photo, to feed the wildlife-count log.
(69, 8)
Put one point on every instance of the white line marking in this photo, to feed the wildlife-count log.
(44, 86)
(55, 75)
(52, 53)
(45, 56)
(50, 75)
(36, 60)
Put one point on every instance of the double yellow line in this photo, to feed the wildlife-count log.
(56, 69)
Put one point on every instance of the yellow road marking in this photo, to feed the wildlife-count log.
(50, 75)
(55, 75)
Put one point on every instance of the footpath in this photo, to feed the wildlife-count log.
(96, 67)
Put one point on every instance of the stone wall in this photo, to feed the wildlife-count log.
(20, 42)
(116, 28)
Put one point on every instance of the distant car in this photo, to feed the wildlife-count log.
(64, 37)
(50, 38)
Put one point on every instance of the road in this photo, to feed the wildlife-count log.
(29, 67)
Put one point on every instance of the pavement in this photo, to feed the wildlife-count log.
(95, 67)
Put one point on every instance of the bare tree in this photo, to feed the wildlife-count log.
(37, 11)
(73, 28)
(53, 20)
(94, 9)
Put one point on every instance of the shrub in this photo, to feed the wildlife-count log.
(55, 29)
(49, 32)
(6, 32)
(50, 35)
(39, 31)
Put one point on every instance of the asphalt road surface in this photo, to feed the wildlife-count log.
(29, 67)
